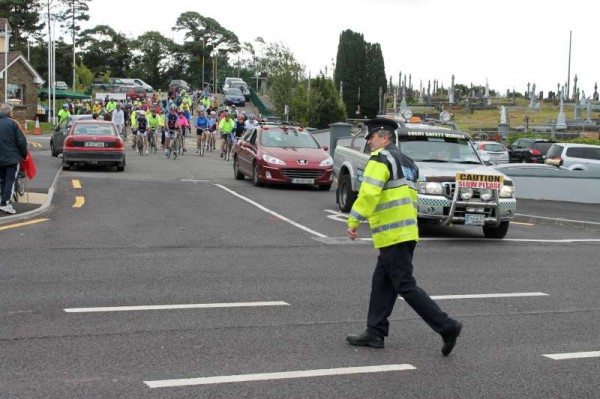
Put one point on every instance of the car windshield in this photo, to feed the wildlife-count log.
(493, 147)
(90, 129)
(439, 149)
(234, 91)
(287, 139)
(542, 147)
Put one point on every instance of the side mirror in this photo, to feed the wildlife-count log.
(325, 148)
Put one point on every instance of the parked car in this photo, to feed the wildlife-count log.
(243, 88)
(179, 84)
(109, 86)
(139, 82)
(133, 92)
(60, 132)
(235, 97)
(529, 150)
(496, 152)
(60, 85)
(93, 142)
(574, 156)
(282, 154)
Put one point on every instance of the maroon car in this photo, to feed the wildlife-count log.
(282, 154)
(93, 142)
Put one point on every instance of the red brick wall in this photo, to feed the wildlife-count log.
(20, 75)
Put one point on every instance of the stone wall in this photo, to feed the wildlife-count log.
(19, 74)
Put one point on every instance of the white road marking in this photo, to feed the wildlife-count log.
(180, 306)
(277, 376)
(195, 180)
(338, 240)
(277, 215)
(482, 296)
(574, 355)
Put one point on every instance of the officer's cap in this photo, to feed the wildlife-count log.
(380, 125)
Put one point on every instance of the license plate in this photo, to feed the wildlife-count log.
(474, 219)
(303, 181)
(93, 144)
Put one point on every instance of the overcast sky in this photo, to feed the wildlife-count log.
(509, 42)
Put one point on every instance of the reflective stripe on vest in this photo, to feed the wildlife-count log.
(391, 204)
(375, 182)
(394, 225)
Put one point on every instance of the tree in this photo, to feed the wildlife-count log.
(153, 58)
(24, 19)
(325, 105)
(204, 38)
(72, 13)
(349, 68)
(85, 77)
(104, 49)
(373, 79)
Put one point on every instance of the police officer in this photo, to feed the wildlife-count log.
(388, 200)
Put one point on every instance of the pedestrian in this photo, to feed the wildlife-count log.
(13, 148)
(388, 200)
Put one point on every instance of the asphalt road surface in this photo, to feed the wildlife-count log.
(173, 280)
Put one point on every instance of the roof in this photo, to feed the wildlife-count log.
(13, 57)
(65, 94)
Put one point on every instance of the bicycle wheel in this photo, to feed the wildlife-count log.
(202, 145)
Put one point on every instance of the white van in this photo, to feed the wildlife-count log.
(139, 82)
(574, 156)
(228, 83)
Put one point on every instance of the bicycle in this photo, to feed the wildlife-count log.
(228, 147)
(173, 145)
(204, 142)
(152, 140)
(20, 186)
(139, 143)
(180, 143)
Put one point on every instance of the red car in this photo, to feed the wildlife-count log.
(93, 142)
(132, 92)
(282, 154)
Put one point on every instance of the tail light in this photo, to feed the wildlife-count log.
(119, 143)
(482, 147)
(68, 142)
(535, 152)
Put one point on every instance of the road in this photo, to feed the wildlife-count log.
(173, 280)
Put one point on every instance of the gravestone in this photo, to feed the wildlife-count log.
(561, 120)
(451, 91)
(503, 127)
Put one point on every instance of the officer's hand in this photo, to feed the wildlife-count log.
(352, 232)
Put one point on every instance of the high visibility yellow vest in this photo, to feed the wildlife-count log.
(387, 199)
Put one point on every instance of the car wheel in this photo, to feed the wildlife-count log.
(496, 231)
(255, 180)
(236, 169)
(52, 150)
(325, 187)
(345, 195)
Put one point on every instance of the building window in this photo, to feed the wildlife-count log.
(15, 94)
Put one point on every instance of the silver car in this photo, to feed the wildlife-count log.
(574, 156)
(497, 153)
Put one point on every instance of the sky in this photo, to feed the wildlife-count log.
(507, 43)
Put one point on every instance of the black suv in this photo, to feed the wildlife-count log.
(529, 150)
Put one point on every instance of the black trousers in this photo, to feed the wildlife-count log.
(393, 276)
(8, 177)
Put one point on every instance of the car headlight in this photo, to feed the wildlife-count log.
(273, 160)
(485, 194)
(326, 162)
(466, 193)
(430, 188)
(507, 191)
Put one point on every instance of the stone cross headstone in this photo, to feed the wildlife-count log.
(451, 91)
(503, 115)
(487, 93)
(532, 98)
(575, 89)
(561, 120)
(403, 102)
(595, 95)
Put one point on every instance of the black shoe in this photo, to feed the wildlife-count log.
(366, 339)
(450, 339)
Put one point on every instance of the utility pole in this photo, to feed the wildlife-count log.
(569, 69)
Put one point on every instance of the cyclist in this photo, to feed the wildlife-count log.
(239, 128)
(154, 122)
(118, 118)
(225, 127)
(172, 125)
(142, 127)
(202, 124)
(213, 129)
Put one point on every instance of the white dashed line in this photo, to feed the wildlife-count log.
(277, 376)
(574, 355)
(483, 296)
(180, 306)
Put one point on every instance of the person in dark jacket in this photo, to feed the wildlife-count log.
(13, 147)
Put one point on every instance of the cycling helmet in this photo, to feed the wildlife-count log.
(141, 112)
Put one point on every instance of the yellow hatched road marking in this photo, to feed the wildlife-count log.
(12, 226)
(79, 201)
(76, 183)
(35, 144)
